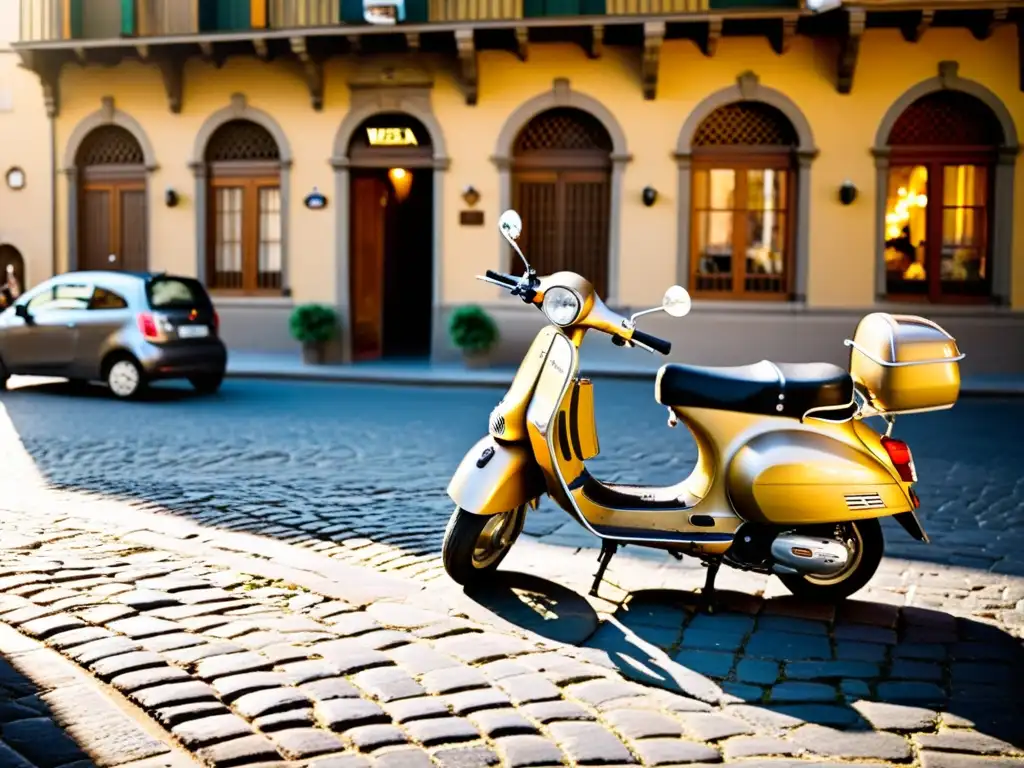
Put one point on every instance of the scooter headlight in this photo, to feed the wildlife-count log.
(561, 305)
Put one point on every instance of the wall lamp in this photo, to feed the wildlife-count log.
(650, 194)
(171, 198)
(847, 192)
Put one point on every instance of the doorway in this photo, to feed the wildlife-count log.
(391, 249)
(112, 216)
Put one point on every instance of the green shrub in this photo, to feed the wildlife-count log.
(313, 323)
(472, 330)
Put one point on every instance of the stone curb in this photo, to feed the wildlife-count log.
(500, 379)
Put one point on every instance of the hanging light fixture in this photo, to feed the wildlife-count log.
(401, 180)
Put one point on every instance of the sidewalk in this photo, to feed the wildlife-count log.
(268, 365)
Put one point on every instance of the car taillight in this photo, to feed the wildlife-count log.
(901, 458)
(147, 326)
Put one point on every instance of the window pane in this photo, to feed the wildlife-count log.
(714, 250)
(227, 269)
(269, 257)
(765, 243)
(964, 185)
(721, 189)
(104, 299)
(766, 189)
(905, 229)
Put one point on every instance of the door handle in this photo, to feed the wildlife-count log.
(71, 325)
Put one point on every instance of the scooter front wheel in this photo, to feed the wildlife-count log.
(475, 545)
(864, 540)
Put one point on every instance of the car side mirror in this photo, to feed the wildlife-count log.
(21, 310)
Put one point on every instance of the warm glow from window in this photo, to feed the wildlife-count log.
(401, 180)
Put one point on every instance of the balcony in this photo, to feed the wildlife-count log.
(169, 32)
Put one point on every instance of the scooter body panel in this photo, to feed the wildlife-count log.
(793, 476)
(661, 520)
(496, 477)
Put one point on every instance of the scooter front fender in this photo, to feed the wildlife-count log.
(496, 477)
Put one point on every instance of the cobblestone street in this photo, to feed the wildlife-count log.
(312, 644)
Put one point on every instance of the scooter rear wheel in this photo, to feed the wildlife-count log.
(866, 543)
(475, 545)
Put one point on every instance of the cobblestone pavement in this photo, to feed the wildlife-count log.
(923, 668)
(238, 668)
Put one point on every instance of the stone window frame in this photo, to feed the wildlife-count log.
(562, 95)
(1001, 244)
(240, 109)
(107, 114)
(368, 101)
(749, 88)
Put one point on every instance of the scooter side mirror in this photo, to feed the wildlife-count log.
(510, 224)
(676, 301)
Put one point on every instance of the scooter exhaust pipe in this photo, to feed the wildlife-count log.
(797, 554)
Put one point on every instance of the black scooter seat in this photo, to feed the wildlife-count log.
(765, 388)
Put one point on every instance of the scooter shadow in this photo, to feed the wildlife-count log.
(859, 666)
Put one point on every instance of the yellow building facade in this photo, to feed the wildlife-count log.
(789, 192)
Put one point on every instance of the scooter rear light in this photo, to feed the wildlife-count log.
(147, 326)
(901, 458)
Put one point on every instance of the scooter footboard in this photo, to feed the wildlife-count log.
(496, 477)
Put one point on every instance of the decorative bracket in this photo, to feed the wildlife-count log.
(522, 43)
(984, 30)
(654, 36)
(596, 41)
(412, 41)
(465, 44)
(712, 36)
(211, 54)
(47, 69)
(143, 50)
(172, 71)
(259, 45)
(856, 20)
(781, 38)
(912, 33)
(82, 56)
(312, 70)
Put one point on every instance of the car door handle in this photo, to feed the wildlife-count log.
(71, 325)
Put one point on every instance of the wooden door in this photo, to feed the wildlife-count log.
(113, 222)
(565, 215)
(369, 207)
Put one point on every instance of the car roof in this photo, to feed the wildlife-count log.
(115, 276)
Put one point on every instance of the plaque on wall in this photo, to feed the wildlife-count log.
(471, 218)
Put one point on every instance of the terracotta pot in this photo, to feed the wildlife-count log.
(476, 359)
(313, 353)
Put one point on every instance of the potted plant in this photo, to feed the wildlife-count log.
(474, 332)
(314, 325)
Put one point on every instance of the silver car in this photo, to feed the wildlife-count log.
(122, 328)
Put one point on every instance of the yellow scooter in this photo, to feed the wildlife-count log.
(789, 479)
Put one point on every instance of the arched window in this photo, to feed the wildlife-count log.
(743, 203)
(112, 220)
(244, 227)
(561, 186)
(937, 220)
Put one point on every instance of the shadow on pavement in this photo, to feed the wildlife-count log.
(856, 667)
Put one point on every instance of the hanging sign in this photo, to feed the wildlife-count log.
(391, 137)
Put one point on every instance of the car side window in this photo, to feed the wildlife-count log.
(64, 296)
(104, 299)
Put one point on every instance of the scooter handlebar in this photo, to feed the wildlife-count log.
(654, 342)
(501, 277)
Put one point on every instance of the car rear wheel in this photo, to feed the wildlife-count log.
(206, 383)
(125, 378)
(4, 376)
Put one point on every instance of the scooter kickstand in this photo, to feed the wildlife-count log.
(608, 550)
(706, 603)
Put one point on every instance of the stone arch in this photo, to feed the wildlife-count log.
(239, 109)
(748, 88)
(106, 115)
(948, 78)
(562, 95)
(413, 100)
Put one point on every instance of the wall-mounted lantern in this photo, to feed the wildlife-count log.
(847, 192)
(470, 196)
(650, 194)
(171, 198)
(315, 200)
